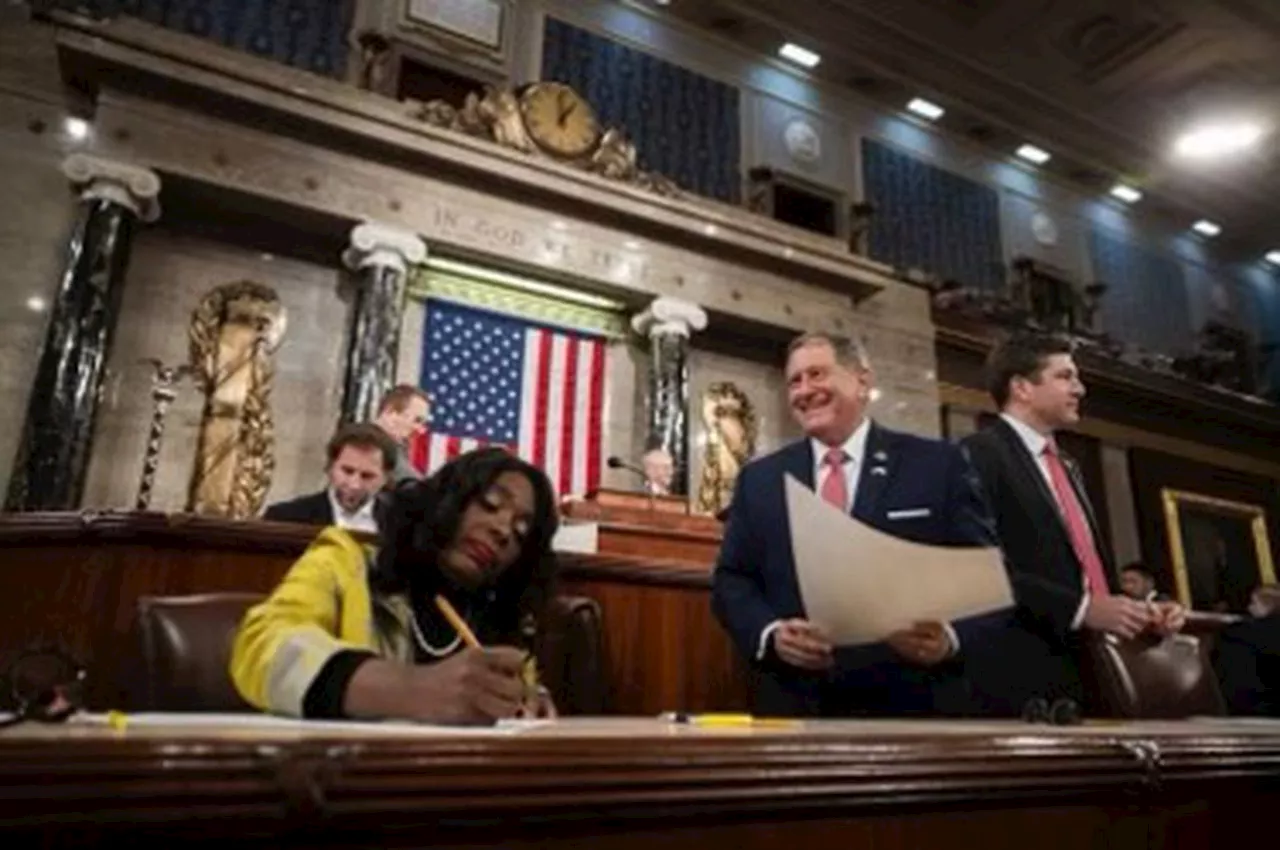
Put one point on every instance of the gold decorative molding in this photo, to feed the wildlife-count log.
(235, 331)
(427, 282)
(1174, 501)
(503, 116)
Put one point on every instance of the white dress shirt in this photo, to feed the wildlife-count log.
(1035, 443)
(361, 520)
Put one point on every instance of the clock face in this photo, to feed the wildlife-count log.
(559, 120)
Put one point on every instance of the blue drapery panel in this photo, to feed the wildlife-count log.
(931, 219)
(1261, 296)
(684, 125)
(307, 34)
(1147, 300)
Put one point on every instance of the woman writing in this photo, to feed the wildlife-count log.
(357, 632)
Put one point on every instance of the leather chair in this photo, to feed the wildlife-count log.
(1150, 678)
(571, 655)
(186, 648)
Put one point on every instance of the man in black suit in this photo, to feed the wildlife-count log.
(1063, 577)
(360, 462)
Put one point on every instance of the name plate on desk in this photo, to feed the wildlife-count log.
(581, 537)
(635, 524)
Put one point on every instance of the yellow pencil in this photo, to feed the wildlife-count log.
(459, 624)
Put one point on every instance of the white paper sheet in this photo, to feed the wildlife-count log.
(273, 723)
(860, 584)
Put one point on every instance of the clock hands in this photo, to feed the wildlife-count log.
(564, 111)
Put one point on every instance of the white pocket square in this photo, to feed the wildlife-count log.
(910, 513)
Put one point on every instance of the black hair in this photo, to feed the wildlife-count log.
(419, 519)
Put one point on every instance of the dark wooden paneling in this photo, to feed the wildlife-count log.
(76, 582)
(1151, 472)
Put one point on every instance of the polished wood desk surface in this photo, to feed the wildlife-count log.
(636, 782)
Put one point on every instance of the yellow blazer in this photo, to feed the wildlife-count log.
(322, 607)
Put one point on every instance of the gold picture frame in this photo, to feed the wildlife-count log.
(1237, 528)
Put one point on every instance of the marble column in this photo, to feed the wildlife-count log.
(381, 256)
(57, 435)
(668, 323)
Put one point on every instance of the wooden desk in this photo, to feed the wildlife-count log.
(75, 579)
(638, 784)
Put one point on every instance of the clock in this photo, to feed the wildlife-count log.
(803, 142)
(559, 120)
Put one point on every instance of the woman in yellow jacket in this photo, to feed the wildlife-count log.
(353, 631)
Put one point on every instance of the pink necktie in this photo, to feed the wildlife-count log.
(835, 490)
(1073, 512)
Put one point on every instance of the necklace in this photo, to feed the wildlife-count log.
(433, 651)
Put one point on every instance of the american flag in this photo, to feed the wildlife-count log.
(498, 380)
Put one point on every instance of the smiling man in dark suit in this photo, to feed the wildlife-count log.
(1062, 576)
(914, 488)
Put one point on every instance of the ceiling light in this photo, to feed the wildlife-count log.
(36, 304)
(1206, 228)
(799, 55)
(77, 128)
(1217, 140)
(1273, 257)
(1128, 194)
(926, 109)
(1031, 153)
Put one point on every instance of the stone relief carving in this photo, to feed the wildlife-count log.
(497, 115)
(235, 331)
(730, 422)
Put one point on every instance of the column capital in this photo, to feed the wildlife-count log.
(667, 315)
(128, 185)
(377, 244)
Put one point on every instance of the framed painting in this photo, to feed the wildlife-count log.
(1219, 550)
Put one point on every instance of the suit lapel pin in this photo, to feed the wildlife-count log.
(880, 457)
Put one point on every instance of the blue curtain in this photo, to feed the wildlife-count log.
(685, 126)
(928, 218)
(307, 34)
(1147, 300)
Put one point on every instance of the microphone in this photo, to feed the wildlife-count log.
(615, 462)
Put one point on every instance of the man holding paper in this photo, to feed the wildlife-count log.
(909, 487)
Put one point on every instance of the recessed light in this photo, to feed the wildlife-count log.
(799, 55)
(77, 128)
(557, 224)
(1031, 153)
(36, 304)
(1273, 257)
(926, 109)
(1217, 140)
(1125, 193)
(1206, 228)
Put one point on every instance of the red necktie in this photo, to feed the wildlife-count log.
(1073, 512)
(835, 490)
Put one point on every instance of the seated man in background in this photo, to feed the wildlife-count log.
(659, 470)
(360, 461)
(1138, 583)
(914, 488)
(403, 415)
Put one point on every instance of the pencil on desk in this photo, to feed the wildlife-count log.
(459, 624)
